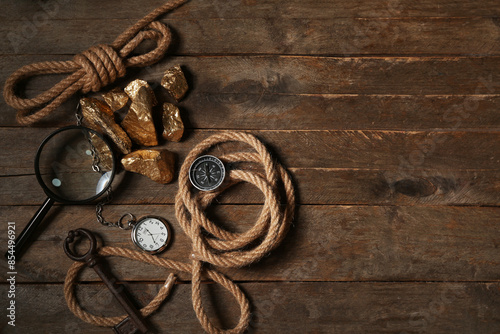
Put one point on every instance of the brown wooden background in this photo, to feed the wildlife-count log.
(386, 113)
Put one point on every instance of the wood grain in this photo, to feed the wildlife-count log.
(315, 75)
(343, 36)
(330, 167)
(387, 150)
(325, 243)
(314, 186)
(319, 92)
(386, 114)
(340, 112)
(260, 9)
(333, 93)
(218, 110)
(311, 307)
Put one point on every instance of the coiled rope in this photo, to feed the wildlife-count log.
(91, 70)
(211, 243)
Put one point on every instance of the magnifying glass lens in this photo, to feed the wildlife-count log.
(74, 165)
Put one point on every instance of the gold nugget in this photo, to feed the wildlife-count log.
(98, 116)
(174, 82)
(139, 120)
(115, 98)
(133, 90)
(173, 128)
(158, 165)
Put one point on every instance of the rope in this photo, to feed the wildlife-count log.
(211, 243)
(91, 70)
(76, 267)
(223, 248)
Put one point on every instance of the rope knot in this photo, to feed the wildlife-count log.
(101, 65)
(92, 69)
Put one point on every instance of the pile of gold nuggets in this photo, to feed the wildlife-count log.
(138, 126)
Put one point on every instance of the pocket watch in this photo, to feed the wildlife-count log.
(151, 234)
(207, 173)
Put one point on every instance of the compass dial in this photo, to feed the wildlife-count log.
(151, 234)
(207, 173)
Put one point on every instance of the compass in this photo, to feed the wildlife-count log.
(207, 173)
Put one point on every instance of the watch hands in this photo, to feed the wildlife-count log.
(151, 234)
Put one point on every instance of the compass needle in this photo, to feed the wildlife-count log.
(207, 173)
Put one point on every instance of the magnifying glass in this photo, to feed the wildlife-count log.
(74, 165)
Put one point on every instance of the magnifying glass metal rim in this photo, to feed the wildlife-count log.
(56, 197)
(26, 234)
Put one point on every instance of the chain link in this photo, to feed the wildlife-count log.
(109, 192)
(95, 158)
(100, 206)
(130, 222)
(100, 218)
(78, 115)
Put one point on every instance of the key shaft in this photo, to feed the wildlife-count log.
(92, 260)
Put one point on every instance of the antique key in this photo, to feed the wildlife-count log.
(133, 323)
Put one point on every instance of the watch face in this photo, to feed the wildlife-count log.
(207, 173)
(151, 234)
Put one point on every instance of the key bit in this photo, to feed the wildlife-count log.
(135, 324)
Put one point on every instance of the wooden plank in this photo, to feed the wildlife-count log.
(298, 307)
(330, 9)
(339, 112)
(333, 92)
(401, 187)
(315, 75)
(314, 186)
(386, 150)
(330, 75)
(326, 243)
(291, 75)
(344, 36)
(398, 118)
(214, 110)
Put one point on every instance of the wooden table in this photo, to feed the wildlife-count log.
(386, 113)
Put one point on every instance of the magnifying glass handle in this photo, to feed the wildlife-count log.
(31, 227)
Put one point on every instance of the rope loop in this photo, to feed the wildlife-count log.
(92, 69)
(72, 300)
(218, 246)
(214, 244)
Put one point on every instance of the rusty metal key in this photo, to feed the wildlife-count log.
(135, 323)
